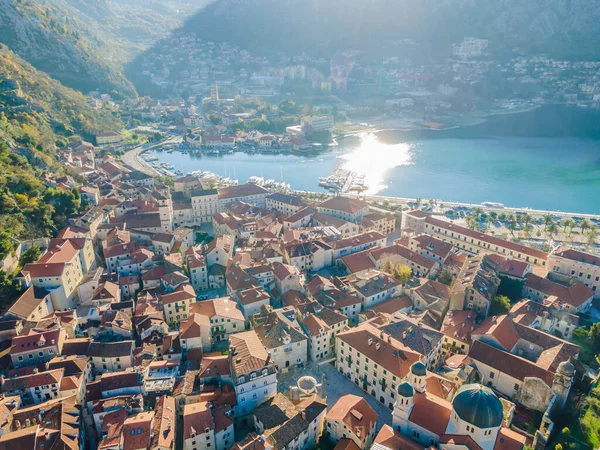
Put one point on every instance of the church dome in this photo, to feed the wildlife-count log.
(418, 369)
(478, 405)
(406, 390)
(566, 368)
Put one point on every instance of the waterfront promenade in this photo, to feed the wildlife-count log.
(132, 159)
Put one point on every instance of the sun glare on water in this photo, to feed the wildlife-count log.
(374, 159)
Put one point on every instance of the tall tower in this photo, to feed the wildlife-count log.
(417, 376)
(561, 385)
(402, 407)
(214, 93)
(165, 208)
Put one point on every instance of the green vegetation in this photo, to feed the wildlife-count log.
(500, 305)
(58, 37)
(288, 113)
(445, 277)
(38, 112)
(589, 342)
(590, 421)
(8, 289)
(511, 288)
(163, 179)
(400, 272)
(6, 245)
(31, 255)
(28, 208)
(38, 115)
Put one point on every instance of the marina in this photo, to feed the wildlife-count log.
(343, 181)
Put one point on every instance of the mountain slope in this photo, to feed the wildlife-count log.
(47, 34)
(37, 111)
(560, 27)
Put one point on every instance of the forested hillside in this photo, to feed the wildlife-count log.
(38, 112)
(37, 115)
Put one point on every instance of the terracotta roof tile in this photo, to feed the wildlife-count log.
(355, 413)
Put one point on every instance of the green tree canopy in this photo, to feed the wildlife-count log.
(500, 305)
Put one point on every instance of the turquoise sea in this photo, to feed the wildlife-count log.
(545, 159)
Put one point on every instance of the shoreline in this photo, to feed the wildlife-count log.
(134, 155)
(512, 209)
(406, 200)
(376, 125)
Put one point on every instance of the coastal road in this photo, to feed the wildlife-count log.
(133, 160)
(533, 212)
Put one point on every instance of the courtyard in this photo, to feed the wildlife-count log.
(337, 385)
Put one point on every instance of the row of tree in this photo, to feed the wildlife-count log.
(524, 222)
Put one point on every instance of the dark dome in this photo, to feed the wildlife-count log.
(478, 405)
(418, 369)
(406, 390)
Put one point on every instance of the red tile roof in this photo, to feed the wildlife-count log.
(394, 440)
(183, 293)
(512, 365)
(431, 412)
(196, 418)
(137, 431)
(574, 295)
(355, 413)
(502, 328)
(344, 204)
(242, 190)
(576, 255)
(492, 240)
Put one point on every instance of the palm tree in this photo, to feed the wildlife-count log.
(567, 223)
(494, 215)
(512, 227)
(548, 220)
(527, 219)
(584, 225)
(510, 217)
(558, 223)
(502, 217)
(489, 221)
(552, 229)
(471, 222)
(592, 234)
